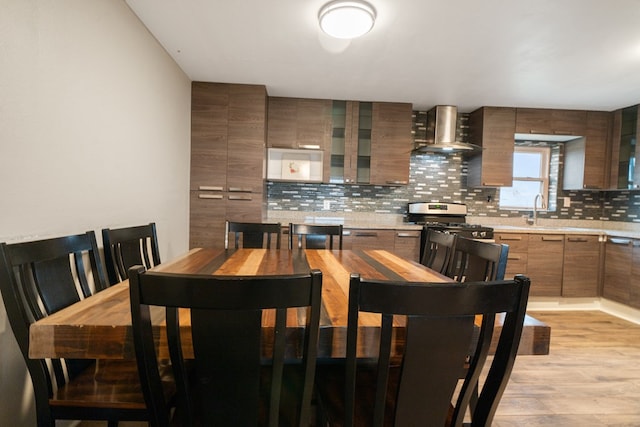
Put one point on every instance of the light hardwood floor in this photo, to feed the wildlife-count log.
(590, 378)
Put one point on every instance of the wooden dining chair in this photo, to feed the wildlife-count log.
(233, 383)
(39, 278)
(252, 234)
(419, 389)
(477, 260)
(314, 236)
(129, 246)
(438, 250)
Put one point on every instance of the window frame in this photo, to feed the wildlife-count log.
(544, 178)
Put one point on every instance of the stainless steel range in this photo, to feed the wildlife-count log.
(446, 217)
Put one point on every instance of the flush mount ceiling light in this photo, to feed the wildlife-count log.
(347, 19)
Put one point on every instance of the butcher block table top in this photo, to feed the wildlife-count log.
(99, 327)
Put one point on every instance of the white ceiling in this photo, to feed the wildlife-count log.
(582, 54)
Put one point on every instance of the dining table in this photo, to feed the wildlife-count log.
(99, 327)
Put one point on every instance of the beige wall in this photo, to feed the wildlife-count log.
(94, 132)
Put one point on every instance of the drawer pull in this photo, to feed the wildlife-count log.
(552, 238)
(415, 236)
(247, 198)
(309, 146)
(494, 184)
(577, 239)
(240, 190)
(210, 188)
(514, 258)
(617, 241)
(210, 196)
(511, 238)
(366, 234)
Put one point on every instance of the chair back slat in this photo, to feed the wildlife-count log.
(227, 334)
(129, 246)
(477, 260)
(438, 250)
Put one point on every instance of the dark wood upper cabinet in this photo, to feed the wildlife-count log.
(299, 123)
(371, 143)
(624, 174)
(551, 121)
(585, 159)
(492, 128)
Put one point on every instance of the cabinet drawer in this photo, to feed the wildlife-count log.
(517, 242)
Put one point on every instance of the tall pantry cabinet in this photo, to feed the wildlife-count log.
(228, 134)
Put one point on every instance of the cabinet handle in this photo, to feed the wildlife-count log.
(577, 239)
(309, 146)
(415, 236)
(240, 190)
(494, 184)
(618, 241)
(231, 197)
(397, 182)
(346, 233)
(514, 258)
(366, 234)
(562, 132)
(210, 196)
(552, 238)
(510, 238)
(210, 188)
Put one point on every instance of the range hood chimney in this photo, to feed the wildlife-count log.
(441, 132)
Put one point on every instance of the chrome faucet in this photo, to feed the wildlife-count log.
(539, 197)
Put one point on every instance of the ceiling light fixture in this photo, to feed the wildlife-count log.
(347, 19)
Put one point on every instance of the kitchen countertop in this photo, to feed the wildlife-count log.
(369, 220)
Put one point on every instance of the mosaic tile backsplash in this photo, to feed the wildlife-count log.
(443, 178)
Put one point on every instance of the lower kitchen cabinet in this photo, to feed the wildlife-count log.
(407, 244)
(518, 252)
(580, 273)
(634, 291)
(544, 264)
(365, 238)
(617, 269)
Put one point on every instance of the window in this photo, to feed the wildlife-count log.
(530, 178)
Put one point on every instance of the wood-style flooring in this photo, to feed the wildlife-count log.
(590, 378)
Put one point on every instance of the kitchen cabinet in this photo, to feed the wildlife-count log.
(492, 128)
(518, 252)
(551, 121)
(299, 123)
(623, 171)
(581, 266)
(617, 269)
(367, 238)
(545, 264)
(585, 158)
(404, 243)
(634, 291)
(407, 244)
(370, 143)
(228, 133)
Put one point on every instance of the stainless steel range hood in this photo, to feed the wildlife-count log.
(441, 132)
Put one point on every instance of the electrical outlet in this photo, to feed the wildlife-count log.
(567, 202)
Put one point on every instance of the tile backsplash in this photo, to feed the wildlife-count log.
(443, 178)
